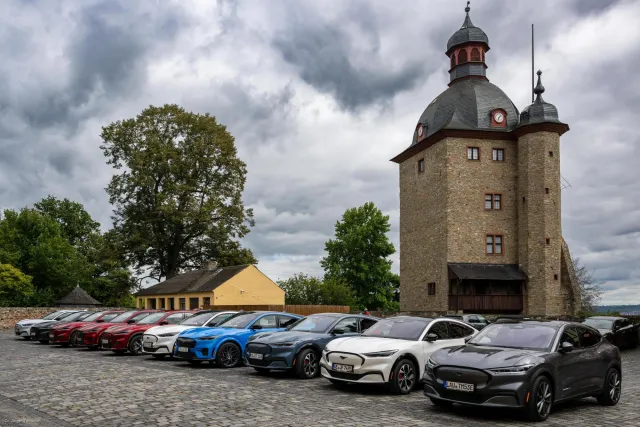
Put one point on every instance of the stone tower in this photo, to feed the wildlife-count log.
(480, 226)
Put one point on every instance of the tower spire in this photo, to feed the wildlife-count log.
(539, 89)
(467, 20)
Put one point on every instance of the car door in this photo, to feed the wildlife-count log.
(597, 363)
(285, 321)
(626, 332)
(572, 365)
(347, 327)
(266, 323)
(441, 329)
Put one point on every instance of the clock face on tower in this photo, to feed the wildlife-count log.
(498, 117)
(420, 131)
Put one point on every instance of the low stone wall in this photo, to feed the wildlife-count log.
(10, 315)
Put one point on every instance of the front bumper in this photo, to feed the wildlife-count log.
(500, 391)
(152, 344)
(114, 342)
(22, 331)
(271, 357)
(39, 334)
(88, 339)
(195, 349)
(59, 336)
(370, 370)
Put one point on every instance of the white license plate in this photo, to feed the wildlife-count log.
(183, 349)
(50, 335)
(257, 356)
(450, 385)
(105, 341)
(342, 368)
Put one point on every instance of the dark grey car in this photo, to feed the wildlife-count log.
(529, 365)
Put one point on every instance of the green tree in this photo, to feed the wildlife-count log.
(16, 288)
(336, 292)
(301, 289)
(178, 200)
(358, 256)
(76, 224)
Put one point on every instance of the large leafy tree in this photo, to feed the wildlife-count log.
(358, 256)
(76, 224)
(305, 289)
(15, 287)
(178, 197)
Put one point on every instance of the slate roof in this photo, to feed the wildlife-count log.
(467, 33)
(467, 104)
(79, 296)
(540, 111)
(194, 281)
(475, 271)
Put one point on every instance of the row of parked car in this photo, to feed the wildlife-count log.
(511, 363)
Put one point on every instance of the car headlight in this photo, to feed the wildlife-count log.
(385, 353)
(431, 363)
(511, 370)
(284, 344)
(168, 334)
(211, 338)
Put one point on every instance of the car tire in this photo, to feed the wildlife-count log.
(307, 364)
(159, 356)
(441, 403)
(194, 362)
(228, 355)
(44, 341)
(72, 338)
(541, 400)
(612, 388)
(135, 345)
(404, 377)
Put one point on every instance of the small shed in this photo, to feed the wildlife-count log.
(78, 298)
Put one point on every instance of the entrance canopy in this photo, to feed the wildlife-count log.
(494, 272)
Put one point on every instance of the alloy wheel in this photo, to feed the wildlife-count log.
(615, 386)
(543, 399)
(310, 363)
(137, 345)
(406, 377)
(229, 355)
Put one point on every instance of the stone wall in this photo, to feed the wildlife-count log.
(10, 315)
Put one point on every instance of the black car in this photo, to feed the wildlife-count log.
(526, 364)
(618, 330)
(40, 331)
(475, 320)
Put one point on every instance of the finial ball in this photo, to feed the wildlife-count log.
(539, 72)
(467, 9)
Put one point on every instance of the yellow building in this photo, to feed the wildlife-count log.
(234, 285)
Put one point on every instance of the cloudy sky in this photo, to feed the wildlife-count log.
(319, 96)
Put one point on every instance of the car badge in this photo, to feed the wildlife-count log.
(459, 374)
(343, 357)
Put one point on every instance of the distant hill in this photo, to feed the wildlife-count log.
(629, 309)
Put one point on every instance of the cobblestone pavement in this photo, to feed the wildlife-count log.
(51, 386)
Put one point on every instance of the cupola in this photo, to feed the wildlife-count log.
(540, 111)
(466, 49)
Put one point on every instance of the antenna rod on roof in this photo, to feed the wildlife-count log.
(533, 80)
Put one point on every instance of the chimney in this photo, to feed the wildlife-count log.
(210, 265)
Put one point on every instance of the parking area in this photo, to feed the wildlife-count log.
(51, 386)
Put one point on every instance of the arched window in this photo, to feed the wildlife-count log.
(483, 56)
(475, 54)
(462, 56)
(453, 59)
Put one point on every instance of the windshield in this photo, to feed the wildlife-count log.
(75, 316)
(239, 321)
(122, 317)
(197, 319)
(152, 318)
(530, 337)
(92, 317)
(51, 316)
(403, 329)
(314, 324)
(599, 323)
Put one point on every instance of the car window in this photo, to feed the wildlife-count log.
(474, 319)
(366, 324)
(175, 318)
(287, 321)
(589, 337)
(625, 322)
(572, 336)
(219, 319)
(440, 329)
(350, 324)
(269, 321)
(457, 330)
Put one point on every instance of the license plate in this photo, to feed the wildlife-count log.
(50, 335)
(342, 368)
(450, 385)
(105, 341)
(183, 349)
(257, 356)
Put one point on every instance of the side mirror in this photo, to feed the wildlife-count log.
(432, 337)
(99, 321)
(131, 322)
(164, 322)
(337, 331)
(256, 327)
(566, 347)
(467, 339)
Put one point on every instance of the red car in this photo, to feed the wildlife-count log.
(129, 337)
(65, 333)
(89, 335)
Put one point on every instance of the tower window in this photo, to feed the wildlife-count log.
(498, 154)
(462, 56)
(493, 201)
(420, 165)
(524, 199)
(546, 190)
(473, 153)
(475, 54)
(550, 153)
(555, 277)
(431, 288)
(494, 244)
(548, 240)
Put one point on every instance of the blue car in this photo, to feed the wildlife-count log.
(224, 344)
(300, 347)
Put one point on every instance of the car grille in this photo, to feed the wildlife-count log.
(258, 348)
(463, 375)
(345, 376)
(186, 342)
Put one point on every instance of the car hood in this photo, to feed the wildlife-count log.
(287, 336)
(99, 326)
(207, 332)
(72, 324)
(129, 327)
(28, 322)
(364, 344)
(47, 324)
(480, 357)
(168, 329)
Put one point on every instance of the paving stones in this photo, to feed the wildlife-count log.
(77, 387)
